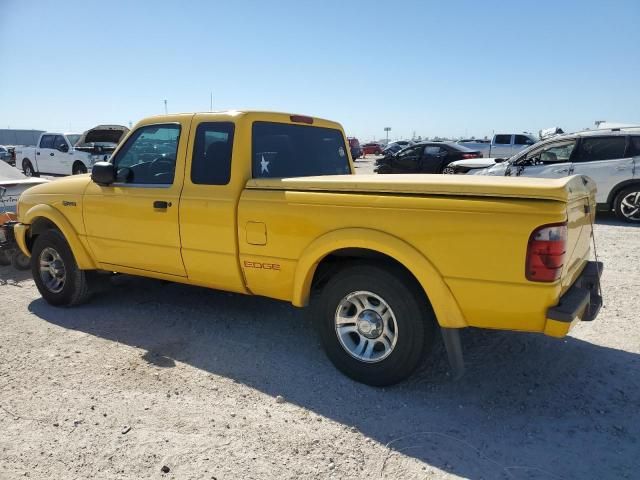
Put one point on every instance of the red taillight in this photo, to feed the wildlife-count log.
(301, 119)
(545, 253)
(469, 155)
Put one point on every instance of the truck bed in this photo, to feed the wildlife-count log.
(565, 189)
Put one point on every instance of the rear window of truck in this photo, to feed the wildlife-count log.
(283, 150)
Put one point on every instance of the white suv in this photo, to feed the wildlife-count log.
(610, 157)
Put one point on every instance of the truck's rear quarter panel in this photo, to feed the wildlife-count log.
(477, 245)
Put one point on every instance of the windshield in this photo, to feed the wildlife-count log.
(73, 138)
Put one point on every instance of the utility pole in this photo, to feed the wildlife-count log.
(387, 129)
(211, 101)
(165, 106)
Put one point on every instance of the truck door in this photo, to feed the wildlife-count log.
(605, 161)
(61, 160)
(45, 154)
(501, 146)
(553, 160)
(133, 222)
(208, 207)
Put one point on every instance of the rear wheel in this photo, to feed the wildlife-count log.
(28, 169)
(374, 323)
(5, 258)
(55, 272)
(20, 261)
(627, 204)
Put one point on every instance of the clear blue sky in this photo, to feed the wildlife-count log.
(433, 67)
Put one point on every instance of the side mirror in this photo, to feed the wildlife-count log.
(499, 160)
(103, 173)
(63, 147)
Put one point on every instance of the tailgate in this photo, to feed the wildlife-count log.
(581, 211)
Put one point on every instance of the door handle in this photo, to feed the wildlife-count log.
(561, 170)
(622, 168)
(51, 154)
(161, 204)
(37, 153)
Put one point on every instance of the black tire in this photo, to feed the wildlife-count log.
(28, 170)
(79, 168)
(413, 315)
(20, 261)
(5, 259)
(75, 289)
(629, 195)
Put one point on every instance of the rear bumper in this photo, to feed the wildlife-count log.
(581, 302)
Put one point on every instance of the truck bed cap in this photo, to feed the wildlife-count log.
(564, 189)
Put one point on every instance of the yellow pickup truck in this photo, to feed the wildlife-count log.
(268, 204)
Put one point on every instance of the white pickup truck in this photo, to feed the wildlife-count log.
(503, 145)
(69, 153)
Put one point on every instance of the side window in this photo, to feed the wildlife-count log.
(601, 148)
(523, 140)
(47, 141)
(634, 145)
(410, 152)
(554, 153)
(59, 141)
(503, 140)
(149, 156)
(211, 162)
(431, 151)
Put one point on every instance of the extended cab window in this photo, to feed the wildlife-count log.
(523, 140)
(601, 148)
(149, 156)
(211, 163)
(284, 150)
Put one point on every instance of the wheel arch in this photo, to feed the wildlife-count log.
(40, 218)
(613, 194)
(376, 244)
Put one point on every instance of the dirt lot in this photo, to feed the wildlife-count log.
(215, 385)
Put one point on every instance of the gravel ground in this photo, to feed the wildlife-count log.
(214, 385)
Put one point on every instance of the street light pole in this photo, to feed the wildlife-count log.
(387, 129)
(165, 106)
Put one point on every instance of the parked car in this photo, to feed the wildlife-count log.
(355, 148)
(69, 153)
(610, 158)
(385, 264)
(12, 184)
(372, 148)
(5, 155)
(426, 157)
(502, 145)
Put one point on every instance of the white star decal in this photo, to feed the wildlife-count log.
(264, 166)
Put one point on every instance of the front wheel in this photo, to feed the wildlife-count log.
(79, 168)
(374, 323)
(55, 272)
(627, 204)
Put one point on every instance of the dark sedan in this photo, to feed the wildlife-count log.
(425, 157)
